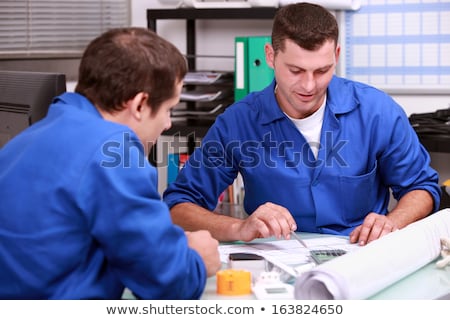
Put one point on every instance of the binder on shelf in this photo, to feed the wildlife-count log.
(172, 167)
(175, 163)
(251, 70)
(182, 159)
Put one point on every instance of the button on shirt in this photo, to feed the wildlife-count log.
(366, 147)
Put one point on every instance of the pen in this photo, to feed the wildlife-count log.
(297, 237)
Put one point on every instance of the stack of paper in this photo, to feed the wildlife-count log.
(182, 113)
(287, 256)
(204, 77)
(200, 95)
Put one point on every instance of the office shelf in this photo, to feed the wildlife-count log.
(191, 126)
(190, 15)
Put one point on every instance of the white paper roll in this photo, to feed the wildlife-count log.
(364, 272)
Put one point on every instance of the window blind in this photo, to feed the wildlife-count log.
(31, 28)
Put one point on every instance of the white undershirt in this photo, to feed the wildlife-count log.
(310, 127)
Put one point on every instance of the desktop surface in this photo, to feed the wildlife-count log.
(427, 283)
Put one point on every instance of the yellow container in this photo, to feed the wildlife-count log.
(234, 282)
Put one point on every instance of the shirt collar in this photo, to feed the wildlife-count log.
(340, 100)
(271, 110)
(77, 101)
(341, 96)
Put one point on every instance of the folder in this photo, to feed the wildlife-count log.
(172, 167)
(260, 74)
(251, 70)
(240, 65)
(175, 162)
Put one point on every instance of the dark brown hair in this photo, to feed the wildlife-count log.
(308, 25)
(122, 62)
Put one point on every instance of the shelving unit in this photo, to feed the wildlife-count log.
(198, 127)
(190, 15)
(193, 129)
(217, 95)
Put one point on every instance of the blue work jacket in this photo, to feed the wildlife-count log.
(367, 147)
(81, 218)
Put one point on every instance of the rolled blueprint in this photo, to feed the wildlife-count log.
(330, 4)
(364, 272)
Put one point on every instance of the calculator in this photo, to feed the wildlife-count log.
(323, 255)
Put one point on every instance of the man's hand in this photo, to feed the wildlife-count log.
(268, 220)
(207, 248)
(373, 227)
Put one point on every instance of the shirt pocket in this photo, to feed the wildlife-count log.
(283, 187)
(359, 195)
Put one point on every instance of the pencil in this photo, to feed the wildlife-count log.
(297, 237)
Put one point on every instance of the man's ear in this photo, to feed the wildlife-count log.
(270, 54)
(337, 53)
(137, 105)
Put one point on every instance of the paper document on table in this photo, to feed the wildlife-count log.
(287, 255)
(364, 272)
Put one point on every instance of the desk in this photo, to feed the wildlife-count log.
(426, 283)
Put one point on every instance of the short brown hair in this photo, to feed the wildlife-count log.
(122, 62)
(308, 25)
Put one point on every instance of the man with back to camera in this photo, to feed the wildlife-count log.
(317, 153)
(80, 214)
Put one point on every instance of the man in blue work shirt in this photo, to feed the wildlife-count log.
(317, 153)
(80, 214)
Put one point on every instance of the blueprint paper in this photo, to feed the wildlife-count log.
(364, 272)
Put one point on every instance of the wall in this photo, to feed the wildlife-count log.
(217, 38)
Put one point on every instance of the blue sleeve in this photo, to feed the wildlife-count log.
(208, 172)
(132, 225)
(405, 163)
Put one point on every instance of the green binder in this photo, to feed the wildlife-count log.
(251, 70)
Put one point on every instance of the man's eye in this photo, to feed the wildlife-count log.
(322, 71)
